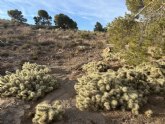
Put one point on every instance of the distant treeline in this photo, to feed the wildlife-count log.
(43, 19)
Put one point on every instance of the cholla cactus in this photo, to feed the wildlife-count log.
(155, 52)
(125, 89)
(30, 83)
(155, 76)
(99, 66)
(47, 113)
(110, 90)
(149, 113)
(161, 63)
(109, 55)
(106, 54)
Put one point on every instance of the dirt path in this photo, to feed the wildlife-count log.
(66, 94)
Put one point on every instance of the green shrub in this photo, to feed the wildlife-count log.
(138, 36)
(30, 83)
(135, 55)
(47, 113)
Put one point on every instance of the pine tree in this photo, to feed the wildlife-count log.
(16, 16)
(43, 18)
(64, 22)
(98, 27)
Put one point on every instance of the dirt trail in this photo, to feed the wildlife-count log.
(66, 94)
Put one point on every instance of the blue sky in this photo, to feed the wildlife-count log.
(85, 12)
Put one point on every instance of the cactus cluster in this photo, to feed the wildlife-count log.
(95, 66)
(30, 83)
(155, 76)
(109, 55)
(155, 52)
(47, 113)
(127, 88)
(111, 90)
(161, 63)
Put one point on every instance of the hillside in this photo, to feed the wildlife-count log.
(64, 51)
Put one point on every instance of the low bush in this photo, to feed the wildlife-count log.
(85, 35)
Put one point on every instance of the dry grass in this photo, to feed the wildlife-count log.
(23, 43)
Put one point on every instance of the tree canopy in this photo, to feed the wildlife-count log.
(16, 16)
(139, 33)
(43, 18)
(43, 14)
(136, 5)
(64, 22)
(98, 27)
